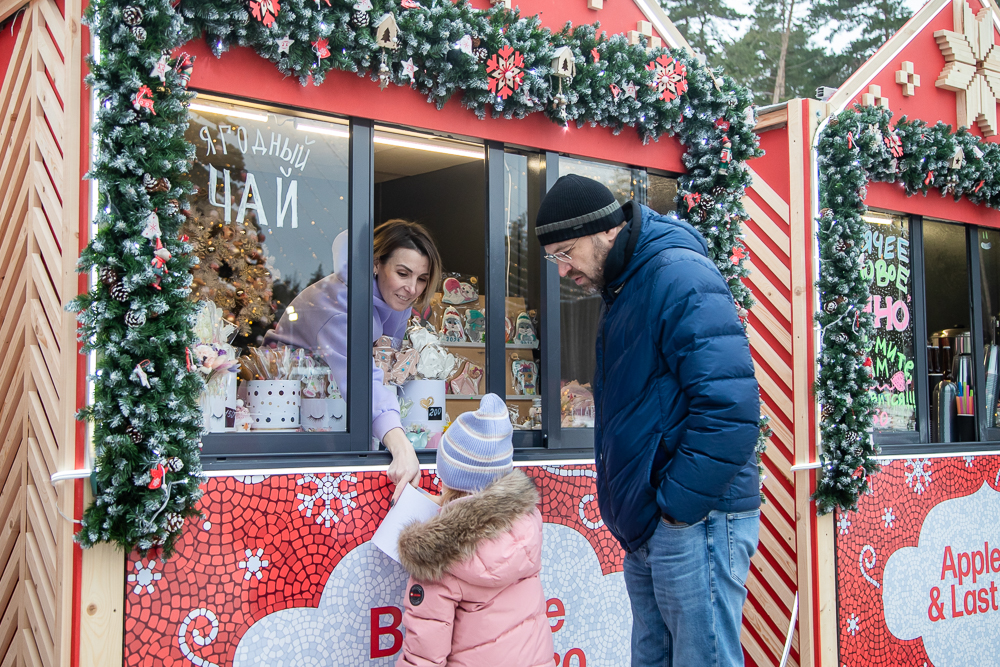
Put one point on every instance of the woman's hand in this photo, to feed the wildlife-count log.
(404, 469)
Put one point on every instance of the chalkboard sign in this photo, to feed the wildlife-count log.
(886, 266)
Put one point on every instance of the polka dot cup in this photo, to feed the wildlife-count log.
(274, 404)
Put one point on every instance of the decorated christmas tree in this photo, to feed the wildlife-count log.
(232, 269)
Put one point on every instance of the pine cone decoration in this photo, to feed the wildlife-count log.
(119, 293)
(108, 276)
(135, 318)
(174, 521)
(139, 33)
(155, 184)
(175, 464)
(132, 432)
(360, 19)
(132, 15)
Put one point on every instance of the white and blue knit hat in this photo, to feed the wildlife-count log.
(476, 449)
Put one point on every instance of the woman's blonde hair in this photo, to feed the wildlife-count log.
(449, 494)
(397, 233)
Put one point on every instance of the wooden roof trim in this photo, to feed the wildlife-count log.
(663, 25)
(771, 117)
(857, 82)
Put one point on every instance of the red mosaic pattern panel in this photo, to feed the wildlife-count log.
(890, 518)
(267, 544)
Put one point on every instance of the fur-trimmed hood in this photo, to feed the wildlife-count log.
(503, 513)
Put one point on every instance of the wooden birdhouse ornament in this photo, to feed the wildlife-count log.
(387, 32)
(564, 63)
(958, 159)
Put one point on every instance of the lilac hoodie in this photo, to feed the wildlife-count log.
(321, 327)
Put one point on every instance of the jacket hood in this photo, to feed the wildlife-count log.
(658, 233)
(448, 542)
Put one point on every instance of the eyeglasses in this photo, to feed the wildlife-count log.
(561, 256)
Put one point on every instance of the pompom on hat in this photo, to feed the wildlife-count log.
(476, 449)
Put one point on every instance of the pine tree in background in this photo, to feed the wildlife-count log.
(137, 319)
(870, 25)
(753, 59)
(707, 25)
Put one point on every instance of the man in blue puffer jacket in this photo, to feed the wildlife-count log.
(677, 419)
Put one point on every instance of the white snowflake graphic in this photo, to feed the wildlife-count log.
(888, 517)
(853, 624)
(843, 524)
(327, 491)
(920, 478)
(968, 460)
(253, 564)
(144, 577)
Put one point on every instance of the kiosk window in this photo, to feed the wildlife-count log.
(887, 268)
(522, 290)
(271, 197)
(441, 184)
(989, 264)
(579, 309)
(948, 335)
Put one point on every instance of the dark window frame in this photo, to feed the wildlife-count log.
(919, 443)
(279, 451)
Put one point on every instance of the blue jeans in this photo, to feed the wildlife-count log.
(686, 586)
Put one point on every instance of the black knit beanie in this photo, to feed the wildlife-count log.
(576, 206)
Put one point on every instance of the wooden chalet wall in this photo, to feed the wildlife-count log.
(780, 239)
(39, 243)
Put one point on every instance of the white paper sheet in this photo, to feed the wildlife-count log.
(413, 506)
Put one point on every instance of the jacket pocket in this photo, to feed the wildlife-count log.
(742, 529)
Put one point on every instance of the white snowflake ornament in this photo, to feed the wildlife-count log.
(888, 517)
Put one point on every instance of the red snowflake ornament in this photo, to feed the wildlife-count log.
(505, 69)
(157, 473)
(322, 48)
(739, 254)
(265, 11)
(722, 124)
(894, 144)
(144, 99)
(669, 77)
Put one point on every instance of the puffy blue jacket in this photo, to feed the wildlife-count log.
(677, 402)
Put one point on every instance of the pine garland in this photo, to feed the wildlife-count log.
(443, 48)
(144, 436)
(858, 146)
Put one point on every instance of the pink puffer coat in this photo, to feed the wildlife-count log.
(474, 597)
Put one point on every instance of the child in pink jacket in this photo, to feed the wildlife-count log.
(474, 597)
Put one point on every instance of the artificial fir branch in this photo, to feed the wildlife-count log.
(140, 166)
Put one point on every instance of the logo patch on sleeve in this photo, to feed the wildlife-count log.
(416, 594)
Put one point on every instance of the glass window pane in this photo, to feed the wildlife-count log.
(948, 333)
(441, 184)
(522, 192)
(272, 195)
(989, 254)
(661, 193)
(580, 310)
(887, 267)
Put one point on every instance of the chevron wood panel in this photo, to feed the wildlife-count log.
(39, 204)
(773, 578)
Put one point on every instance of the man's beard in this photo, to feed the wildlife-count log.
(595, 284)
